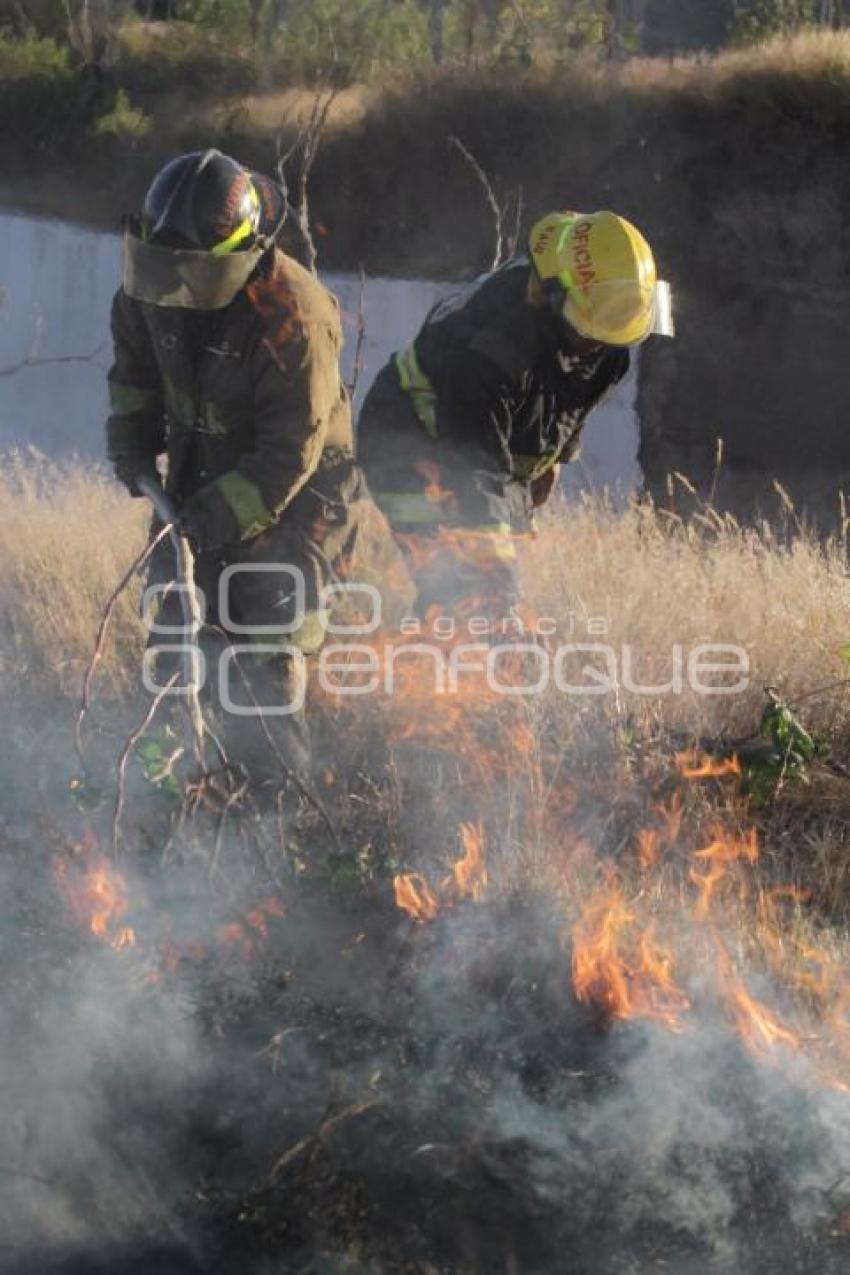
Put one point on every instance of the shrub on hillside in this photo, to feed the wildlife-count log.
(41, 95)
(758, 19)
(33, 57)
(345, 42)
(125, 121)
(184, 55)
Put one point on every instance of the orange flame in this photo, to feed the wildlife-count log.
(470, 872)
(250, 932)
(759, 1027)
(670, 817)
(722, 852)
(97, 898)
(235, 935)
(467, 880)
(624, 973)
(705, 767)
(647, 848)
(414, 896)
(434, 489)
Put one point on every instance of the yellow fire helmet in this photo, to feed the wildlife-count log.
(599, 271)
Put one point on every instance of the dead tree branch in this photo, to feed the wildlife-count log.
(126, 753)
(100, 641)
(286, 770)
(33, 359)
(233, 799)
(192, 619)
(489, 195)
(357, 366)
(519, 208)
(328, 1126)
(299, 159)
(506, 243)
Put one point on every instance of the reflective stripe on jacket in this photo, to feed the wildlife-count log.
(248, 402)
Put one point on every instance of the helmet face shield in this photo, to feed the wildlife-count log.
(664, 323)
(183, 278)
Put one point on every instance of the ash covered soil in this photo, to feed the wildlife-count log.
(283, 1072)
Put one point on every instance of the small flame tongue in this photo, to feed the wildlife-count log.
(620, 967)
(415, 897)
(760, 1028)
(723, 852)
(705, 767)
(467, 880)
(97, 897)
(469, 874)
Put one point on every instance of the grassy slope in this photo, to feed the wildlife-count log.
(662, 140)
(654, 584)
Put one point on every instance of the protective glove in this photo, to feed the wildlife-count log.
(542, 487)
(207, 520)
(130, 469)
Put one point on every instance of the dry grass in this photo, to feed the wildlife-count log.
(561, 805)
(808, 57)
(66, 535)
(290, 108)
(658, 583)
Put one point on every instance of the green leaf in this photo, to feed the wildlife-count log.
(85, 795)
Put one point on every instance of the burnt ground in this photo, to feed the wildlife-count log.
(335, 1088)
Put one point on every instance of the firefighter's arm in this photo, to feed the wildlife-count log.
(135, 430)
(613, 367)
(541, 488)
(482, 384)
(297, 388)
(477, 396)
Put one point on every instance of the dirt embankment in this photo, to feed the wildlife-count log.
(735, 167)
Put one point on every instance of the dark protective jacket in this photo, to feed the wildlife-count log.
(247, 401)
(502, 381)
(490, 380)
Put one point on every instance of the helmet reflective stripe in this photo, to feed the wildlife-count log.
(240, 234)
(243, 231)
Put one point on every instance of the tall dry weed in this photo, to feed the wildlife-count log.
(66, 535)
(626, 579)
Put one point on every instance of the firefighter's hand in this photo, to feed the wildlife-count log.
(188, 526)
(129, 470)
(541, 488)
(207, 520)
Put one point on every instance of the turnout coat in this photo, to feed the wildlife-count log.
(248, 404)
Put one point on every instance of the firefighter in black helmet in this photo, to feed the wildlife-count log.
(227, 364)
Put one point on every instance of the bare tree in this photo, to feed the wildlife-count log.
(293, 170)
(476, 13)
(436, 10)
(93, 26)
(505, 242)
